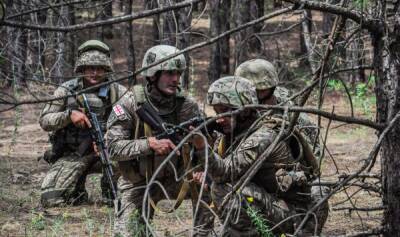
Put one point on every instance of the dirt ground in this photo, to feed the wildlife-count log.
(22, 143)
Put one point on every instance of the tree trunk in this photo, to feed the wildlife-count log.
(327, 21)
(224, 43)
(156, 25)
(387, 70)
(219, 57)
(71, 40)
(256, 11)
(306, 43)
(388, 104)
(242, 15)
(37, 45)
(130, 53)
(214, 70)
(105, 33)
(59, 66)
(183, 39)
(355, 58)
(7, 33)
(174, 25)
(18, 50)
(168, 21)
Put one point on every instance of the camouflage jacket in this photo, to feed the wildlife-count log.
(125, 137)
(55, 115)
(304, 124)
(245, 151)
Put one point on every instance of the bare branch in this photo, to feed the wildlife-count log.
(111, 21)
(365, 22)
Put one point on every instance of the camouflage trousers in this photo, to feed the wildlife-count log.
(129, 221)
(64, 183)
(240, 210)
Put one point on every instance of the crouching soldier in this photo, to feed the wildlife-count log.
(279, 191)
(72, 156)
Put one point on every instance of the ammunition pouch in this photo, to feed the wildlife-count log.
(50, 157)
(58, 146)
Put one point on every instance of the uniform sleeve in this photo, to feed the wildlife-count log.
(237, 163)
(232, 167)
(310, 130)
(120, 133)
(54, 115)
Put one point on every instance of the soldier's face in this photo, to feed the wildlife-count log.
(93, 75)
(227, 123)
(168, 82)
(266, 97)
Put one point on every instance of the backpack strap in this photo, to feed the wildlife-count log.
(140, 94)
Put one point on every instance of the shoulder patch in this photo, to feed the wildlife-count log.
(119, 111)
(248, 144)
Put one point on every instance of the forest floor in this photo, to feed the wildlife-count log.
(22, 143)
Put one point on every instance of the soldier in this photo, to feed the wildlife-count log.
(72, 156)
(278, 191)
(265, 78)
(137, 150)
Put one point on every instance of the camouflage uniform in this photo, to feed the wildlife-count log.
(126, 138)
(266, 192)
(72, 157)
(264, 76)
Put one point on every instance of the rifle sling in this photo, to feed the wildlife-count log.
(186, 185)
(186, 182)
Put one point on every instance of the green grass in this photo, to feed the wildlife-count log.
(89, 222)
(135, 227)
(37, 221)
(259, 222)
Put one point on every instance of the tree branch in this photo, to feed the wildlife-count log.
(111, 21)
(371, 24)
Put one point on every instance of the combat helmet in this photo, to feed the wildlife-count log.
(157, 53)
(232, 91)
(94, 53)
(261, 72)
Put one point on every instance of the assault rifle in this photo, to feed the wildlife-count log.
(97, 137)
(173, 132)
(164, 130)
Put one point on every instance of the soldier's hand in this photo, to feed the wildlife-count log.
(79, 119)
(199, 177)
(162, 146)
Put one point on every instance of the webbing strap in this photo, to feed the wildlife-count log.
(186, 185)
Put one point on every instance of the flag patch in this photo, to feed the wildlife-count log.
(118, 110)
